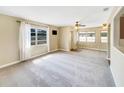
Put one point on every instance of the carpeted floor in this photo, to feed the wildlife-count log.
(84, 68)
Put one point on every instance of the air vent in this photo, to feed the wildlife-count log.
(106, 9)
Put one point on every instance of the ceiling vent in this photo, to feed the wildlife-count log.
(106, 9)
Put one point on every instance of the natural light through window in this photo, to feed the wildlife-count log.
(38, 36)
(82, 36)
(104, 37)
(87, 36)
(42, 59)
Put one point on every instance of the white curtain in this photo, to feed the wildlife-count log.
(24, 41)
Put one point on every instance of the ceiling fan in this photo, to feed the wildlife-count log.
(78, 25)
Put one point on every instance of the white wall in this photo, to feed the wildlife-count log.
(38, 50)
(117, 56)
(9, 37)
(117, 66)
(53, 39)
(65, 38)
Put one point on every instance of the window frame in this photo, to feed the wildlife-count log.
(86, 32)
(102, 36)
(94, 36)
(36, 36)
(85, 37)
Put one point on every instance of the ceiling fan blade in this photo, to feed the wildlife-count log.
(77, 24)
(82, 25)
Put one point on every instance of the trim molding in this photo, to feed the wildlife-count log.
(113, 77)
(64, 50)
(16, 62)
(9, 64)
(53, 50)
(94, 49)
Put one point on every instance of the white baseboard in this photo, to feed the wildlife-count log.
(94, 49)
(41, 54)
(64, 50)
(116, 84)
(9, 64)
(53, 50)
(16, 62)
(13, 63)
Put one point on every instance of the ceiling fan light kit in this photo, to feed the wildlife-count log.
(78, 25)
(104, 26)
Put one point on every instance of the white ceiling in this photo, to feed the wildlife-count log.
(60, 15)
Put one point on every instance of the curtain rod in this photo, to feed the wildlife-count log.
(19, 21)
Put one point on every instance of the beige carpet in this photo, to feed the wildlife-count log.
(84, 68)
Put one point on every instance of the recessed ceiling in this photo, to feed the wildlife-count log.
(61, 15)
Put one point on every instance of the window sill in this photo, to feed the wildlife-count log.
(39, 45)
(87, 42)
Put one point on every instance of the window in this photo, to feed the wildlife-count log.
(38, 36)
(104, 38)
(41, 36)
(90, 36)
(82, 36)
(33, 36)
(87, 36)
